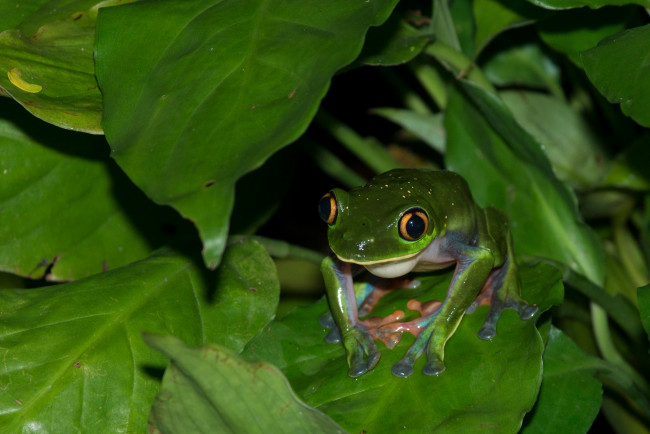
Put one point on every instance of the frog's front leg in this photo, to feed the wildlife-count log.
(473, 265)
(361, 350)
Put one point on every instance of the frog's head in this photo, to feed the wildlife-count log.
(383, 225)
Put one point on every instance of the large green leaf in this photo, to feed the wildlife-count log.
(577, 30)
(506, 167)
(212, 389)
(73, 356)
(46, 62)
(570, 397)
(65, 204)
(619, 68)
(212, 88)
(487, 384)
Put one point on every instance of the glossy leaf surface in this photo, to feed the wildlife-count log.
(619, 67)
(212, 389)
(65, 204)
(74, 359)
(486, 384)
(46, 61)
(214, 88)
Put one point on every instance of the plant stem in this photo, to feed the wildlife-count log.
(459, 65)
(608, 350)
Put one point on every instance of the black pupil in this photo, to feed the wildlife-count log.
(325, 208)
(415, 226)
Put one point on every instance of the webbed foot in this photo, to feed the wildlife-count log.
(426, 340)
(362, 351)
(526, 311)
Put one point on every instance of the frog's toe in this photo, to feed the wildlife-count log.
(362, 351)
(334, 336)
(413, 284)
(471, 308)
(402, 369)
(487, 332)
(434, 367)
(359, 366)
(527, 312)
(327, 320)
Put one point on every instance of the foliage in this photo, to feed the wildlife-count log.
(166, 151)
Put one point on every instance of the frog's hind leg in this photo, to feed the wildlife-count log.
(502, 289)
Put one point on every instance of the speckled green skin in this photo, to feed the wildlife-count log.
(477, 241)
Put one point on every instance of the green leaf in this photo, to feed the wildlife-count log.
(46, 63)
(573, 31)
(463, 15)
(643, 300)
(74, 359)
(594, 4)
(428, 127)
(486, 383)
(505, 167)
(495, 16)
(570, 396)
(212, 389)
(443, 25)
(574, 149)
(65, 204)
(212, 89)
(619, 67)
(393, 43)
(523, 65)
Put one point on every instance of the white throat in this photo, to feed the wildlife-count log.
(396, 268)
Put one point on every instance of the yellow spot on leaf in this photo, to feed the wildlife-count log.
(15, 77)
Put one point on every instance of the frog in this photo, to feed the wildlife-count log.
(408, 221)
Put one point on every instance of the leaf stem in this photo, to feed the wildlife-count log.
(459, 65)
(608, 350)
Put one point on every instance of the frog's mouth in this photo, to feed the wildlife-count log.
(392, 267)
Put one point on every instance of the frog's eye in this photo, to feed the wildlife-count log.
(327, 208)
(413, 224)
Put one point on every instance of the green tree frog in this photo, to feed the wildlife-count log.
(409, 220)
